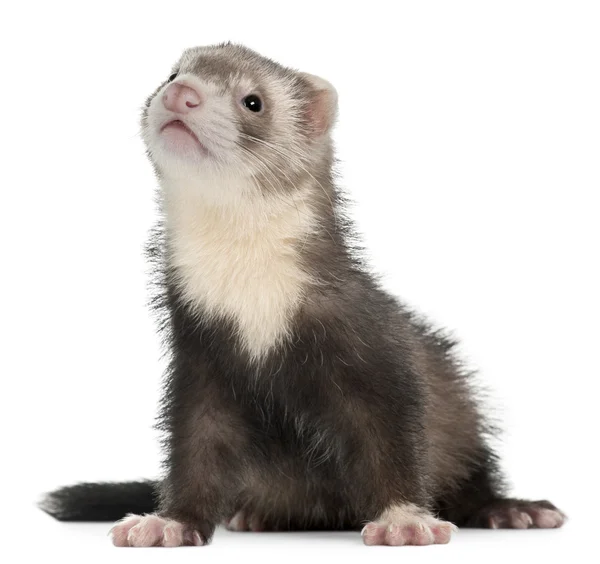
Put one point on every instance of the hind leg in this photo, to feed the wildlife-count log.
(517, 514)
(480, 503)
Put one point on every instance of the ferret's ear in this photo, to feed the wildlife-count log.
(322, 109)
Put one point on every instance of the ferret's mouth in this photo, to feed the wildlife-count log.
(181, 137)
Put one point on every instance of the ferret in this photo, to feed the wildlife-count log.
(299, 395)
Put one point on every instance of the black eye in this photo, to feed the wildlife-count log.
(253, 103)
(173, 77)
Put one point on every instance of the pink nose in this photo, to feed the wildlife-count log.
(180, 98)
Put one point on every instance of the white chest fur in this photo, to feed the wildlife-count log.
(240, 259)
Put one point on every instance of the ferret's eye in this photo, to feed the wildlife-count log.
(173, 77)
(253, 103)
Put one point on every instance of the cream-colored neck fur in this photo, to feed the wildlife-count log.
(238, 257)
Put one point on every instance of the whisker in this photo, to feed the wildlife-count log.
(291, 156)
(267, 173)
(261, 162)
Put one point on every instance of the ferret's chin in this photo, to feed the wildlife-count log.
(176, 138)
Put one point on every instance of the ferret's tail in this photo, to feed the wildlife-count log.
(101, 501)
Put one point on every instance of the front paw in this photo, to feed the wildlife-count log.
(152, 530)
(407, 525)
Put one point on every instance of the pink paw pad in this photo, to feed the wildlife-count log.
(407, 528)
(152, 530)
(548, 518)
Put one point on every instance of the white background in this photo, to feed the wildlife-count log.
(469, 137)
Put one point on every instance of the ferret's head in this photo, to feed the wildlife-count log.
(226, 112)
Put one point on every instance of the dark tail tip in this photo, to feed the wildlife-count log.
(100, 501)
